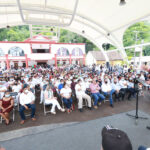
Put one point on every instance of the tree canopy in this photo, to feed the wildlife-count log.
(20, 33)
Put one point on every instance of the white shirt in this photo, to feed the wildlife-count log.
(123, 83)
(69, 82)
(82, 91)
(142, 77)
(130, 85)
(115, 86)
(106, 87)
(16, 88)
(66, 92)
(87, 84)
(27, 98)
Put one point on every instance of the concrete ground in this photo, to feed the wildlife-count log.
(76, 136)
(77, 130)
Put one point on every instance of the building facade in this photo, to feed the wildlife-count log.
(97, 57)
(40, 50)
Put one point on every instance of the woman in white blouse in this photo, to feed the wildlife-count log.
(50, 99)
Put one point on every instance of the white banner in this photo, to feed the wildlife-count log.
(40, 46)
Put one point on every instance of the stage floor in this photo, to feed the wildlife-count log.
(76, 135)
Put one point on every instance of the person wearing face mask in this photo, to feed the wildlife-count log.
(95, 88)
(115, 86)
(107, 90)
(50, 99)
(66, 95)
(80, 93)
(27, 99)
(6, 106)
(123, 86)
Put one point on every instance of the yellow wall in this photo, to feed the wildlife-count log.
(100, 62)
(116, 62)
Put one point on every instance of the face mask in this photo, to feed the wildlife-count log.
(8, 95)
(26, 91)
(115, 82)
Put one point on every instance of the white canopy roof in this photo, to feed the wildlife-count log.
(104, 21)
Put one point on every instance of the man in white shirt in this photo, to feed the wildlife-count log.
(115, 86)
(123, 85)
(107, 90)
(80, 89)
(131, 89)
(27, 100)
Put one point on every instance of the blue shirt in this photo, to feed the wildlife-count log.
(60, 86)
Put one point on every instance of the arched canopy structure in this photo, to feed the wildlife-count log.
(103, 21)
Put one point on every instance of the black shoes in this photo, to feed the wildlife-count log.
(81, 110)
(90, 108)
(111, 105)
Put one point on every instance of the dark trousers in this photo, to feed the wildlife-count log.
(22, 108)
(117, 95)
(142, 148)
(68, 102)
(123, 92)
(131, 92)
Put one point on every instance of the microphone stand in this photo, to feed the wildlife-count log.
(136, 116)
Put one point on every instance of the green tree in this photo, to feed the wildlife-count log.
(143, 34)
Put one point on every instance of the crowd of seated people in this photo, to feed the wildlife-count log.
(64, 85)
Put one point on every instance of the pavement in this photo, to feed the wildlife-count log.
(76, 135)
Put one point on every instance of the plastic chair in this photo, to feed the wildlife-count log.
(44, 105)
(13, 116)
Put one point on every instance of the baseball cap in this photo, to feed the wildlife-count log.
(115, 139)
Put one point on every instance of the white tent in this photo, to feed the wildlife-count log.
(103, 21)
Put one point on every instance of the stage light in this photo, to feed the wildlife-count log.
(122, 2)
